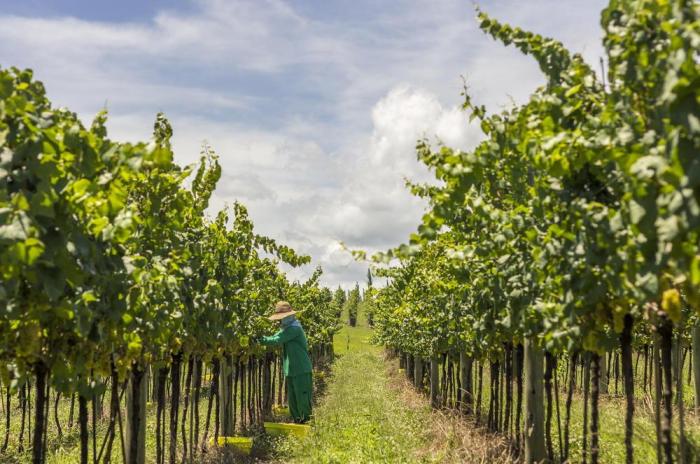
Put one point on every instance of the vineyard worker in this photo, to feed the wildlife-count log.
(296, 362)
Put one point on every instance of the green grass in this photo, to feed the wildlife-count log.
(361, 419)
(354, 340)
(612, 409)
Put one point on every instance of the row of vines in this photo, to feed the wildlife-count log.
(125, 310)
(558, 265)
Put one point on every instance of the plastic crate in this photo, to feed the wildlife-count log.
(280, 428)
(242, 444)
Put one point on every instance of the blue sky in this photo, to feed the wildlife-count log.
(313, 106)
(93, 10)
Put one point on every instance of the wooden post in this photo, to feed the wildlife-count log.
(676, 357)
(696, 363)
(136, 395)
(418, 373)
(603, 384)
(434, 381)
(226, 396)
(534, 404)
(465, 379)
(267, 384)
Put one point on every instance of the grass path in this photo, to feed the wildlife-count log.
(361, 419)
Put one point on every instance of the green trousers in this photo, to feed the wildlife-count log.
(299, 389)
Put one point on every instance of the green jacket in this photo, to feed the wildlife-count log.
(295, 350)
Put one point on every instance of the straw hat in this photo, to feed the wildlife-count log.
(282, 310)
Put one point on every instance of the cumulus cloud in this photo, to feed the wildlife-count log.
(372, 208)
(314, 108)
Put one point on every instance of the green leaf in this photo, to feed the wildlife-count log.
(33, 249)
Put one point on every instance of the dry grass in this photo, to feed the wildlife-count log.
(452, 438)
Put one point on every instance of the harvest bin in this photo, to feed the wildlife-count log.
(242, 444)
(275, 428)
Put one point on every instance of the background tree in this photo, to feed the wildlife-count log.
(352, 305)
(368, 300)
(339, 299)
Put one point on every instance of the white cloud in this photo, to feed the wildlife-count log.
(372, 208)
(315, 117)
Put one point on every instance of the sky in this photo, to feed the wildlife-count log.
(314, 107)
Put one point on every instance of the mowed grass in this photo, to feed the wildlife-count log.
(361, 419)
(354, 340)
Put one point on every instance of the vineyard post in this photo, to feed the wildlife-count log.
(267, 384)
(434, 381)
(194, 428)
(595, 366)
(225, 396)
(40, 429)
(465, 375)
(696, 363)
(681, 407)
(550, 362)
(418, 374)
(175, 364)
(518, 374)
(136, 394)
(8, 402)
(665, 331)
(82, 420)
(154, 391)
(603, 384)
(628, 377)
(160, 414)
(676, 357)
(534, 403)
(657, 397)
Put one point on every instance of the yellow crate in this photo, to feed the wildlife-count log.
(280, 428)
(242, 444)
